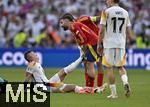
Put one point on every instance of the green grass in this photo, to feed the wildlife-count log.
(139, 81)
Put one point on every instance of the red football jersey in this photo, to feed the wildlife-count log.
(83, 34)
(86, 20)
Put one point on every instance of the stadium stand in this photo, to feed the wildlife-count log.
(34, 23)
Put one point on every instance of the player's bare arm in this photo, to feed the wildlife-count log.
(100, 39)
(28, 77)
(130, 34)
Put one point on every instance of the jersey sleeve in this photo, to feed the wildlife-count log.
(29, 70)
(31, 67)
(103, 18)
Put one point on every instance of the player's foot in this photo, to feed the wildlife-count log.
(89, 89)
(101, 89)
(112, 96)
(127, 90)
(82, 91)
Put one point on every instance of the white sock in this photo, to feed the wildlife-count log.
(77, 89)
(81, 51)
(55, 78)
(72, 66)
(113, 89)
(124, 79)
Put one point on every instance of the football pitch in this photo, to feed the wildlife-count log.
(139, 81)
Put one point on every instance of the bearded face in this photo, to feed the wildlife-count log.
(64, 24)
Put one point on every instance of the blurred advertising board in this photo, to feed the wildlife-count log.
(12, 57)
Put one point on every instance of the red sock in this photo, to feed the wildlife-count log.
(89, 81)
(100, 79)
(86, 78)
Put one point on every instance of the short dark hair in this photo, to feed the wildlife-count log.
(67, 16)
(26, 55)
(116, 1)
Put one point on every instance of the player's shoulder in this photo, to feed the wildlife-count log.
(124, 10)
(116, 8)
(32, 64)
(74, 25)
(77, 24)
(83, 18)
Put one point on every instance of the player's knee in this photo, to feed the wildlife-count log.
(90, 69)
(91, 74)
(67, 88)
(109, 68)
(62, 88)
(121, 68)
(99, 66)
(61, 72)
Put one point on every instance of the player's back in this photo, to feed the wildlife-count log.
(117, 20)
(86, 20)
(83, 34)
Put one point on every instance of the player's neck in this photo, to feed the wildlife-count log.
(114, 4)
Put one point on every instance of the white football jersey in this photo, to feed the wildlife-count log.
(38, 73)
(116, 20)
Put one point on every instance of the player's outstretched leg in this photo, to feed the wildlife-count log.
(68, 69)
(124, 79)
(59, 77)
(72, 66)
(72, 88)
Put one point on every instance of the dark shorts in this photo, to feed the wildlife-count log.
(91, 53)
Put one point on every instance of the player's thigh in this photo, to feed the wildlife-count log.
(55, 79)
(85, 65)
(120, 57)
(91, 53)
(68, 88)
(108, 57)
(58, 89)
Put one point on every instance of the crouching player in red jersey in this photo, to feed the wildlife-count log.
(91, 22)
(87, 39)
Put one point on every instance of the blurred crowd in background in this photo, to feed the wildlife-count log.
(34, 23)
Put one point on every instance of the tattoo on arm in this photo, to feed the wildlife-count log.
(101, 34)
(28, 77)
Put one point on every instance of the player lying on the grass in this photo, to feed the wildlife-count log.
(90, 22)
(35, 73)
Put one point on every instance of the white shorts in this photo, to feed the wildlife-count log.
(55, 79)
(114, 57)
